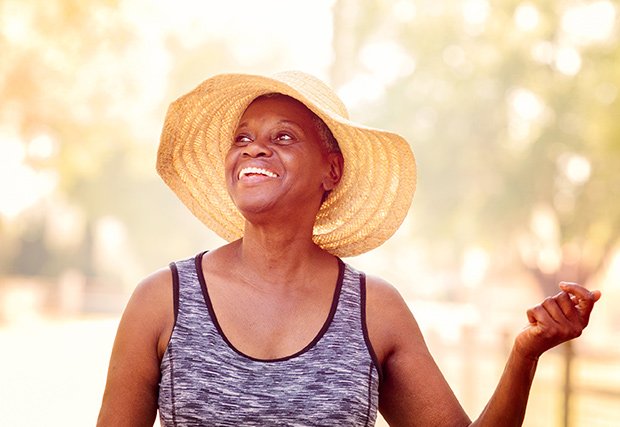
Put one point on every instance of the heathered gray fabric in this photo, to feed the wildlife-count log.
(334, 381)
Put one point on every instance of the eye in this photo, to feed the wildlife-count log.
(284, 137)
(242, 139)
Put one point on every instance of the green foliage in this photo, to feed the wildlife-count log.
(484, 171)
(501, 132)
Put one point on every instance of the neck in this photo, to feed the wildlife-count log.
(277, 256)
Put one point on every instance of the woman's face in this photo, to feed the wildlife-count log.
(277, 163)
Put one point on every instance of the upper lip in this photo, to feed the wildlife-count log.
(256, 170)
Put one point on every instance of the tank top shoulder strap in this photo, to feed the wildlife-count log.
(188, 292)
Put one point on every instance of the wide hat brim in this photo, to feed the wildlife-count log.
(362, 212)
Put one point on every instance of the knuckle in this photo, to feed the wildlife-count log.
(564, 297)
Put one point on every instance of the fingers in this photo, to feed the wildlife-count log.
(544, 331)
(553, 311)
(567, 308)
(579, 291)
(582, 299)
(557, 319)
(553, 307)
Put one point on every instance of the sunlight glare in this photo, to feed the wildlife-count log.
(526, 104)
(527, 17)
(568, 60)
(476, 12)
(576, 168)
(16, 22)
(404, 10)
(549, 260)
(300, 31)
(20, 185)
(544, 224)
(475, 16)
(387, 60)
(361, 89)
(614, 270)
(475, 265)
(42, 147)
(588, 23)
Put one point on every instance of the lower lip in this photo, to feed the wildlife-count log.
(255, 178)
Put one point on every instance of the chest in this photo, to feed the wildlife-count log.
(205, 380)
(270, 325)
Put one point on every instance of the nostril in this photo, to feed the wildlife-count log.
(256, 149)
(254, 154)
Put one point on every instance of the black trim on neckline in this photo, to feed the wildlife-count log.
(315, 340)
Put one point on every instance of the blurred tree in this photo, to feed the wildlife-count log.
(513, 112)
(67, 75)
(90, 82)
(512, 109)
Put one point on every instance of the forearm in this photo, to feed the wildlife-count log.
(509, 401)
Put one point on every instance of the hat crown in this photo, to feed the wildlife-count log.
(314, 90)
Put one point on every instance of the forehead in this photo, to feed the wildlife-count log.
(278, 105)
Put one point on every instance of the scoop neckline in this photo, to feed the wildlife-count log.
(306, 348)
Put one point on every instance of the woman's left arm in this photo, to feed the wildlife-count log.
(415, 393)
(556, 320)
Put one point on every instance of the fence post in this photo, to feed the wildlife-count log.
(569, 355)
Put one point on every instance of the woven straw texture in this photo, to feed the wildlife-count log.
(363, 211)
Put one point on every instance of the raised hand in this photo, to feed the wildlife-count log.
(557, 319)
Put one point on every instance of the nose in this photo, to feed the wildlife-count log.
(257, 148)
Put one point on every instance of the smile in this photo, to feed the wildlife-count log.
(256, 171)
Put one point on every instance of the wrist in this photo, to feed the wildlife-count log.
(522, 351)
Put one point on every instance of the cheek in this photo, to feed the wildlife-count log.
(230, 158)
(229, 164)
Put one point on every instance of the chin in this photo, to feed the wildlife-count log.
(249, 208)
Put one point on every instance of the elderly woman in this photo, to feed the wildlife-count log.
(274, 328)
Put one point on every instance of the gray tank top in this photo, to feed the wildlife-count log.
(206, 381)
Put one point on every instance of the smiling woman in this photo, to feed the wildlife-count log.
(278, 141)
(274, 328)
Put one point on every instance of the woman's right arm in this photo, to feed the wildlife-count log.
(130, 396)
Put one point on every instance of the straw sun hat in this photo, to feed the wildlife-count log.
(362, 212)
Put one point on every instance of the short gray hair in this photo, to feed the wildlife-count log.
(326, 135)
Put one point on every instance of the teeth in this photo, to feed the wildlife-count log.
(258, 171)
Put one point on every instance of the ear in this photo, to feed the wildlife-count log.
(334, 173)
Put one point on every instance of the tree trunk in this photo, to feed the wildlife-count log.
(569, 355)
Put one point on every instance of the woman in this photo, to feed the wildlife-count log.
(273, 328)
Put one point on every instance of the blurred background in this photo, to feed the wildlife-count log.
(512, 109)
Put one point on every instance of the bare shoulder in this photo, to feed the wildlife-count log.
(381, 291)
(411, 378)
(155, 287)
(151, 307)
(130, 397)
(390, 322)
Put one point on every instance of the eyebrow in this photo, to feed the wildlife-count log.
(279, 122)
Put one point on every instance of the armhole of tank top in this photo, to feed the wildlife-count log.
(175, 297)
(175, 290)
(371, 350)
